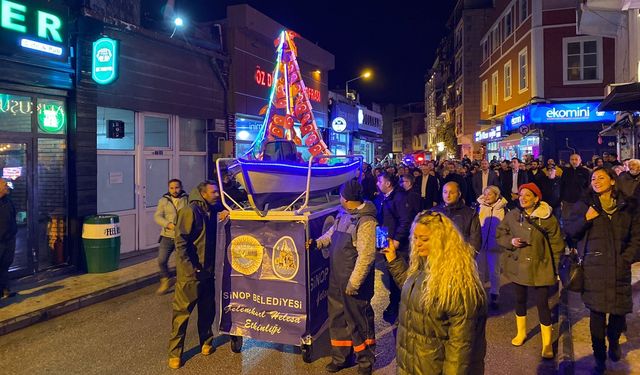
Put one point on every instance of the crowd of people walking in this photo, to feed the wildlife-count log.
(451, 230)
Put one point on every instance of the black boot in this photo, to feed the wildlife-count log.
(600, 354)
(335, 367)
(615, 353)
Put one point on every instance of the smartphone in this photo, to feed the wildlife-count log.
(382, 237)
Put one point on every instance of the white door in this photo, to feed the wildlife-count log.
(156, 148)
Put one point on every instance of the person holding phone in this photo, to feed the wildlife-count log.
(531, 236)
(443, 309)
(352, 247)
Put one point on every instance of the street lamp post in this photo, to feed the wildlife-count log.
(366, 74)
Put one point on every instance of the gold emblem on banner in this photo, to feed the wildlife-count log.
(246, 254)
(285, 259)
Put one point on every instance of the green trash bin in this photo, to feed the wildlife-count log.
(101, 239)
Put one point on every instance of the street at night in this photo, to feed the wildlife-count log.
(298, 187)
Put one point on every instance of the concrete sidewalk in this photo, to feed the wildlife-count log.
(581, 338)
(36, 302)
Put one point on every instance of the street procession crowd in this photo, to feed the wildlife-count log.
(447, 230)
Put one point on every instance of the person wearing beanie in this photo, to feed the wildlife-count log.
(533, 244)
(351, 243)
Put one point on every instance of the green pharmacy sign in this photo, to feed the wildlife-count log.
(51, 117)
(104, 67)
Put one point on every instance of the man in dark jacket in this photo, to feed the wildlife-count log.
(428, 185)
(413, 197)
(8, 231)
(195, 238)
(352, 248)
(485, 177)
(464, 217)
(550, 186)
(511, 181)
(369, 189)
(628, 181)
(575, 181)
(535, 173)
(394, 214)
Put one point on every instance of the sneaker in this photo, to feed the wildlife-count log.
(165, 283)
(207, 349)
(175, 363)
(335, 367)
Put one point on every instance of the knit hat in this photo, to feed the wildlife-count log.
(532, 188)
(351, 191)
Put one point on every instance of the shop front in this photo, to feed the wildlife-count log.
(250, 37)
(555, 130)
(143, 119)
(489, 137)
(368, 135)
(35, 82)
(344, 122)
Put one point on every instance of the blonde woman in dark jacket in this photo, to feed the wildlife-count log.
(533, 244)
(443, 305)
(606, 228)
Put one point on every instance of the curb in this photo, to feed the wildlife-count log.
(565, 338)
(77, 303)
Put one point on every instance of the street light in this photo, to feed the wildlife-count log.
(365, 74)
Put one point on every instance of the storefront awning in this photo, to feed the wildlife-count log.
(511, 140)
(623, 97)
(612, 130)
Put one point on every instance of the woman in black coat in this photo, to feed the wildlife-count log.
(607, 230)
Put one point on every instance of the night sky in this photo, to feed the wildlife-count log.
(396, 39)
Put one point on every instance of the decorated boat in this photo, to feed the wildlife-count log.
(273, 172)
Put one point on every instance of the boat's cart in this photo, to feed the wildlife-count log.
(270, 287)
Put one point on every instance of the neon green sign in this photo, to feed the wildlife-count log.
(104, 66)
(51, 117)
(17, 17)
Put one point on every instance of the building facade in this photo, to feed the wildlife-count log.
(543, 82)
(96, 116)
(249, 37)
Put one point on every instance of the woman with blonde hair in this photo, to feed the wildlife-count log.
(443, 306)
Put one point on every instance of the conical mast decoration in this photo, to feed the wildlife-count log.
(288, 101)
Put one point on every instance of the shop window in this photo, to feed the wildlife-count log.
(192, 170)
(52, 202)
(156, 132)
(156, 177)
(15, 113)
(129, 140)
(52, 116)
(193, 135)
(116, 186)
(582, 58)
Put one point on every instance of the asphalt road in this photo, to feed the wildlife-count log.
(129, 334)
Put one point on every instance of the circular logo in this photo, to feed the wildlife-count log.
(246, 254)
(339, 124)
(285, 259)
(524, 129)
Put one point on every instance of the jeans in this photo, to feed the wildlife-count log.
(489, 269)
(167, 245)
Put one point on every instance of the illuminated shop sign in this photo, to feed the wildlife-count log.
(104, 61)
(557, 113)
(264, 78)
(339, 124)
(489, 135)
(33, 26)
(369, 120)
(50, 113)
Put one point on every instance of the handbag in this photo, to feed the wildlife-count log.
(573, 272)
